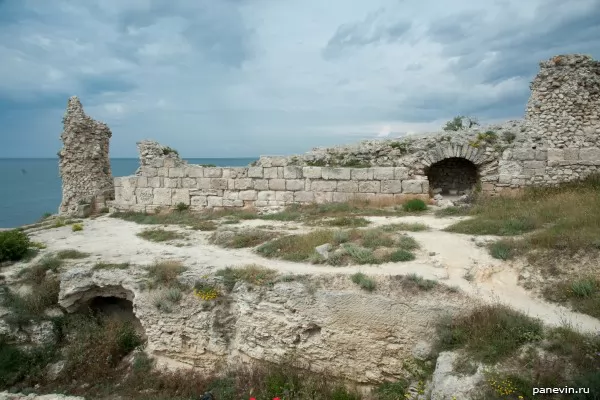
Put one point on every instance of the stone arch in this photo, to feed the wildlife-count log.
(452, 176)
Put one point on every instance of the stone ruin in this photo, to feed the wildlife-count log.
(84, 164)
(557, 141)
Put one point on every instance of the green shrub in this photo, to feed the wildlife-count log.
(502, 250)
(13, 245)
(363, 281)
(509, 136)
(421, 283)
(401, 255)
(77, 227)
(584, 287)
(414, 205)
(254, 274)
(165, 273)
(71, 254)
(392, 390)
(181, 206)
(159, 235)
(168, 150)
(361, 255)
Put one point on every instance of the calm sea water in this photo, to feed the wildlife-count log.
(31, 186)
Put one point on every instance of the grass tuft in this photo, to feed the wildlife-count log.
(363, 281)
(159, 235)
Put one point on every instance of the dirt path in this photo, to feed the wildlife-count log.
(443, 256)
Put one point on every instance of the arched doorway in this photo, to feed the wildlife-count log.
(452, 176)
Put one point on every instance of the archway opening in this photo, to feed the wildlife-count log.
(114, 308)
(452, 176)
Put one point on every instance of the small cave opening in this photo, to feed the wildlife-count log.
(115, 308)
(452, 176)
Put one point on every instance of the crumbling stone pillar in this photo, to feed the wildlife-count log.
(83, 163)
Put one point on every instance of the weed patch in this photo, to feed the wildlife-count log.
(581, 294)
(414, 205)
(363, 281)
(165, 273)
(241, 239)
(295, 247)
(159, 235)
(71, 255)
(254, 274)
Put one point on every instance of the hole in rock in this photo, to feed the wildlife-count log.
(113, 307)
(452, 176)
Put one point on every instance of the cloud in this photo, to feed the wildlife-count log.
(243, 78)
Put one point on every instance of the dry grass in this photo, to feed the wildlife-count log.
(241, 239)
(160, 235)
(252, 273)
(165, 273)
(295, 247)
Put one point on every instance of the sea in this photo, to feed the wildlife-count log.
(31, 187)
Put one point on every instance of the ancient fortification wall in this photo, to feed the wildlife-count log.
(558, 141)
(83, 162)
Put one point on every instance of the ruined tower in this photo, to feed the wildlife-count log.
(83, 162)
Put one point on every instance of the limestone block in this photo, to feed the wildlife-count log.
(117, 182)
(369, 187)
(198, 201)
(292, 172)
(304, 197)
(260, 184)
(266, 195)
(335, 173)
(323, 197)
(590, 154)
(312, 172)
(163, 172)
(125, 195)
(218, 183)
(255, 172)
(294, 184)
(203, 183)
(396, 186)
(169, 162)
(193, 171)
(571, 154)
(214, 201)
(243, 184)
(505, 178)
(361, 174)
(129, 182)
(248, 195)
(180, 196)
(155, 182)
(524, 154)
(555, 155)
(425, 186)
(173, 183)
(149, 171)
(189, 183)
(280, 172)
(144, 196)
(238, 172)
(176, 172)
(287, 197)
(534, 164)
(541, 155)
(162, 196)
(233, 203)
(270, 173)
(142, 182)
(347, 186)
(323, 186)
(412, 186)
(401, 173)
(383, 173)
(231, 195)
(276, 184)
(158, 163)
(212, 172)
(340, 197)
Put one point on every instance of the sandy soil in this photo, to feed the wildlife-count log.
(456, 257)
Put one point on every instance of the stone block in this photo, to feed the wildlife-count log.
(589, 154)
(524, 154)
(412, 186)
(172, 183)
(118, 182)
(163, 172)
(233, 203)
(180, 196)
(361, 174)
(304, 197)
(176, 172)
(238, 172)
(400, 173)
(149, 171)
(270, 173)
(193, 171)
(155, 182)
(255, 172)
(276, 184)
(144, 196)
(231, 195)
(323, 186)
(555, 155)
(260, 184)
(294, 184)
(323, 197)
(425, 186)
(571, 154)
(142, 182)
(534, 164)
(169, 162)
(212, 172)
(340, 197)
(218, 184)
(129, 182)
(266, 195)
(541, 155)
(332, 173)
(203, 183)
(287, 197)
(189, 183)
(198, 201)
(125, 195)
(243, 184)
(248, 195)
(162, 196)
(312, 172)
(347, 186)
(157, 163)
(369, 187)
(383, 173)
(396, 186)
(292, 172)
(214, 201)
(505, 178)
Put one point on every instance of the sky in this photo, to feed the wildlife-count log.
(235, 78)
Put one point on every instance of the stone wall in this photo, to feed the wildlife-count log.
(83, 162)
(165, 184)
